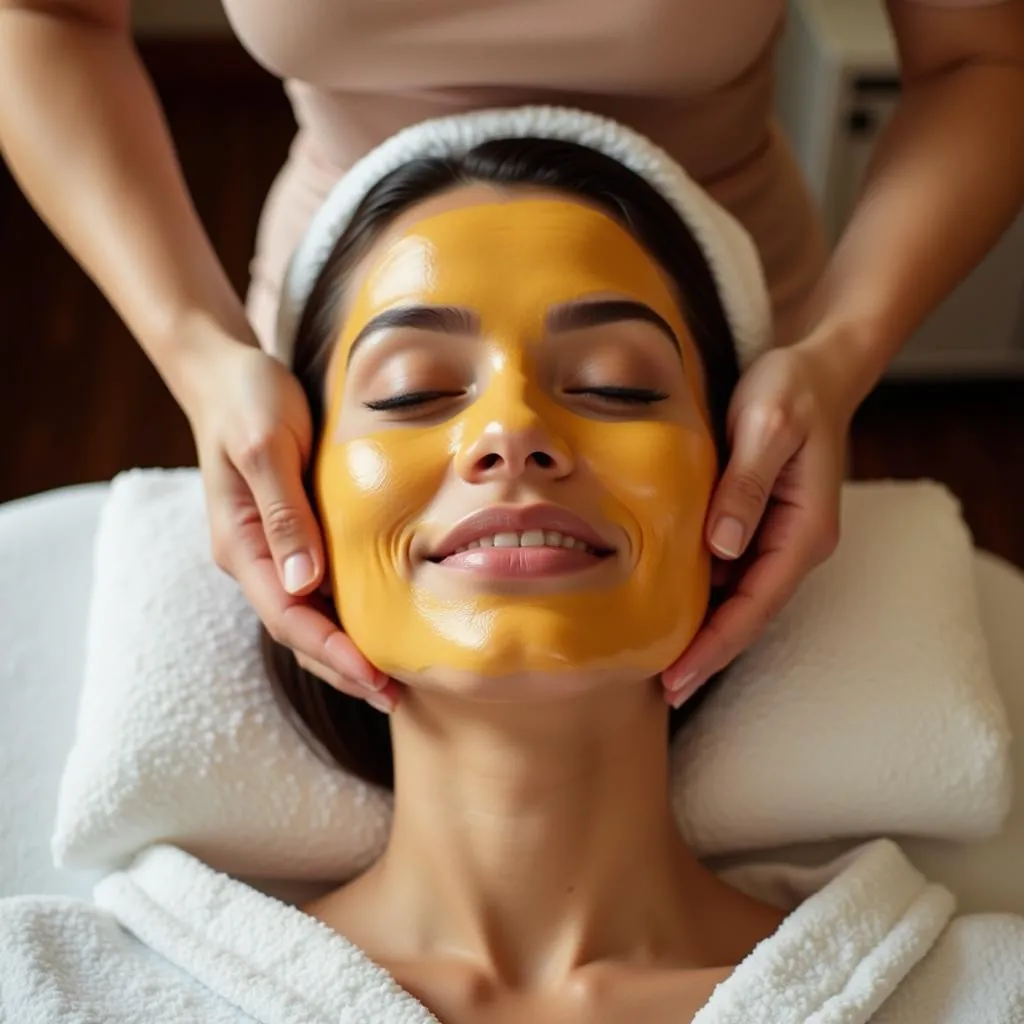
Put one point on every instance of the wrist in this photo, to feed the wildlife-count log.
(188, 349)
(851, 356)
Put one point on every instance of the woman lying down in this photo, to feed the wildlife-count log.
(519, 358)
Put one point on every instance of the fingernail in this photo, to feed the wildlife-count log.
(681, 696)
(727, 537)
(348, 664)
(381, 704)
(686, 688)
(682, 682)
(298, 572)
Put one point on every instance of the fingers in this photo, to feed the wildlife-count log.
(272, 468)
(263, 530)
(795, 536)
(307, 630)
(301, 623)
(764, 440)
(384, 700)
(760, 594)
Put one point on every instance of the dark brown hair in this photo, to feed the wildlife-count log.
(345, 729)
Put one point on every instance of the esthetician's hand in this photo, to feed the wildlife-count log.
(775, 513)
(253, 435)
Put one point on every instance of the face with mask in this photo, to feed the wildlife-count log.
(516, 457)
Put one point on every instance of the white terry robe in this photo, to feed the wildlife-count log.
(868, 938)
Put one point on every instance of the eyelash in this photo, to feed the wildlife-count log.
(410, 399)
(413, 399)
(628, 396)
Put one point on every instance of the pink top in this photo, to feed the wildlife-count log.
(693, 76)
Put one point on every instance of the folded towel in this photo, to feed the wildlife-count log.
(869, 707)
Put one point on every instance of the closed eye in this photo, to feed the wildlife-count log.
(410, 400)
(627, 396)
(611, 393)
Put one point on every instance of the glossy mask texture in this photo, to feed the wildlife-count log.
(386, 488)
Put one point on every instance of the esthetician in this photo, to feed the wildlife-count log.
(82, 131)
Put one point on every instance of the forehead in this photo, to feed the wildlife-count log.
(503, 253)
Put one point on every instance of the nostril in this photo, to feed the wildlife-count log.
(492, 460)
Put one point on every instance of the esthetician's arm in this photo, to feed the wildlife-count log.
(83, 133)
(946, 180)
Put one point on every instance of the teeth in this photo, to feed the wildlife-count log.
(527, 539)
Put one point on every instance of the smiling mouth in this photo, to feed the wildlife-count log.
(551, 540)
(506, 542)
(526, 555)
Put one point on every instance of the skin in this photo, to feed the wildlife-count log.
(534, 866)
(391, 484)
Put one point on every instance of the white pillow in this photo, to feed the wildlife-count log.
(869, 707)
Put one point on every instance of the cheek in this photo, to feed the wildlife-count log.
(369, 490)
(659, 478)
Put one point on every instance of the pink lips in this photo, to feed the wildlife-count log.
(521, 561)
(510, 563)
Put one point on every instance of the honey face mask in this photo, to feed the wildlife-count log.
(516, 461)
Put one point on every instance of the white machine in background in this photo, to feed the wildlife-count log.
(837, 84)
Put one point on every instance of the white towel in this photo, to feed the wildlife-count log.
(178, 734)
(868, 938)
(869, 708)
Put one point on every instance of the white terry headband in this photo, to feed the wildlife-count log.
(729, 250)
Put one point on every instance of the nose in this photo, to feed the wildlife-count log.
(509, 444)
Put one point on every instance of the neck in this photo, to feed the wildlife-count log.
(536, 838)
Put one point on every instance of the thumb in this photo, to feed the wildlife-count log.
(289, 525)
(760, 451)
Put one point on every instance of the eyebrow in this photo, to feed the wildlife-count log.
(442, 319)
(572, 316)
(575, 316)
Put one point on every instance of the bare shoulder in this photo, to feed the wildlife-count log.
(974, 974)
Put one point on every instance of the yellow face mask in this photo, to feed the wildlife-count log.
(516, 460)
